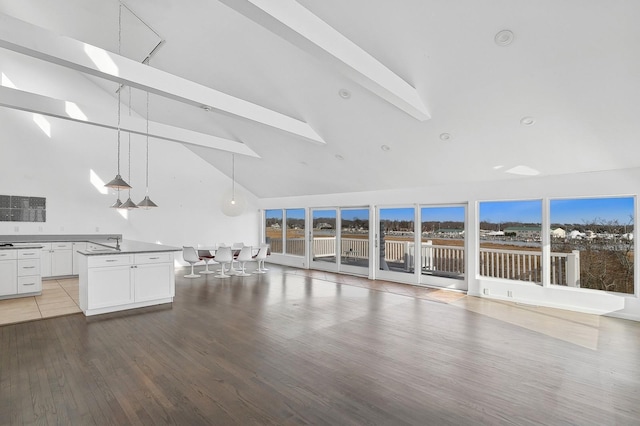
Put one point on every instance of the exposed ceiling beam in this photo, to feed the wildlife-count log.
(37, 42)
(38, 104)
(300, 27)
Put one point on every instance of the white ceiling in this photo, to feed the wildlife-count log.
(573, 66)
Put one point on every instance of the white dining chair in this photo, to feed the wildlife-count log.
(190, 256)
(244, 256)
(259, 258)
(223, 256)
(208, 257)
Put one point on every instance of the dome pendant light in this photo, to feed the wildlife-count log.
(147, 203)
(118, 182)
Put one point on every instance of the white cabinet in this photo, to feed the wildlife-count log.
(76, 257)
(8, 272)
(45, 259)
(111, 283)
(20, 272)
(110, 286)
(56, 259)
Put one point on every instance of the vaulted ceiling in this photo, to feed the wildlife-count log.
(362, 94)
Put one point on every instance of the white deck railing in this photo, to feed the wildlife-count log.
(518, 265)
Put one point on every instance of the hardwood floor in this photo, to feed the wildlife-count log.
(307, 347)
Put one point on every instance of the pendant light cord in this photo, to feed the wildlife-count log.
(120, 87)
(129, 175)
(147, 169)
(233, 178)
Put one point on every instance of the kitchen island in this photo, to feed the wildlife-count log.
(128, 275)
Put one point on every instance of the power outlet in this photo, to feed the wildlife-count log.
(40, 229)
(97, 229)
(16, 229)
(509, 293)
(485, 291)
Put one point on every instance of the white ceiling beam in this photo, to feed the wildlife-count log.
(38, 104)
(300, 27)
(37, 42)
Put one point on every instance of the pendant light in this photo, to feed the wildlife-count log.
(233, 203)
(129, 204)
(118, 203)
(147, 203)
(118, 182)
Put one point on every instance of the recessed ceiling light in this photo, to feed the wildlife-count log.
(527, 121)
(385, 148)
(504, 38)
(445, 136)
(339, 157)
(344, 93)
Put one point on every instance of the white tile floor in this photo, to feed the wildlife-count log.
(59, 297)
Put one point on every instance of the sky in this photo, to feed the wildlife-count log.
(586, 210)
(529, 211)
(579, 210)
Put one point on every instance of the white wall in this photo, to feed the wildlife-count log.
(605, 183)
(187, 189)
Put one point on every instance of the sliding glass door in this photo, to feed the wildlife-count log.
(395, 243)
(354, 241)
(324, 246)
(442, 246)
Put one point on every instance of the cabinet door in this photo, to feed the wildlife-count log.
(8, 277)
(109, 286)
(154, 281)
(61, 263)
(45, 260)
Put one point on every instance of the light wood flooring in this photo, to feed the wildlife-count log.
(59, 297)
(296, 347)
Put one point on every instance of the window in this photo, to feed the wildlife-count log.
(294, 244)
(510, 240)
(273, 229)
(592, 243)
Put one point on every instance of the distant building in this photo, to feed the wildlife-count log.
(576, 235)
(558, 233)
(524, 232)
(449, 233)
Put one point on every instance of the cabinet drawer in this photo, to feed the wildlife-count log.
(29, 254)
(109, 260)
(8, 254)
(142, 258)
(28, 267)
(61, 246)
(29, 284)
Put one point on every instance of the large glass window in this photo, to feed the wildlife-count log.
(273, 229)
(397, 239)
(442, 241)
(510, 240)
(592, 243)
(295, 232)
